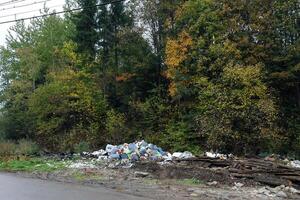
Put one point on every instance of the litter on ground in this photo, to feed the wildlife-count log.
(137, 151)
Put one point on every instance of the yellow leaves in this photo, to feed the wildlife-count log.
(285, 75)
(245, 75)
(180, 12)
(69, 51)
(67, 55)
(231, 49)
(177, 51)
(124, 77)
(62, 76)
(172, 89)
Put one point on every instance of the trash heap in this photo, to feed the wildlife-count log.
(218, 155)
(294, 163)
(138, 151)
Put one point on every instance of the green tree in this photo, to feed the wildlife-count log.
(104, 27)
(67, 111)
(283, 67)
(86, 28)
(224, 75)
(25, 61)
(157, 19)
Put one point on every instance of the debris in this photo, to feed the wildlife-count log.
(99, 153)
(239, 185)
(265, 191)
(102, 158)
(184, 155)
(295, 163)
(218, 155)
(259, 170)
(194, 195)
(292, 190)
(136, 151)
(191, 189)
(213, 183)
(141, 174)
(281, 194)
(168, 157)
(279, 191)
(82, 165)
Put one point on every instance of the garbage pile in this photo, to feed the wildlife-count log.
(137, 151)
(294, 163)
(218, 155)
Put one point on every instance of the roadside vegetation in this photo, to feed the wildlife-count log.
(21, 148)
(25, 156)
(187, 75)
(31, 165)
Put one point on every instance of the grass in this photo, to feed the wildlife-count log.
(31, 165)
(20, 148)
(149, 181)
(27, 164)
(81, 176)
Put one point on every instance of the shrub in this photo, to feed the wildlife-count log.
(65, 109)
(115, 127)
(238, 113)
(81, 147)
(23, 147)
(26, 147)
(179, 136)
(7, 148)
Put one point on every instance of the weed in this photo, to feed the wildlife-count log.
(81, 176)
(7, 148)
(27, 147)
(33, 164)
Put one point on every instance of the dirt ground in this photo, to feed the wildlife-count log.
(170, 182)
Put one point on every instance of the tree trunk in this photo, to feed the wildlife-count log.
(298, 94)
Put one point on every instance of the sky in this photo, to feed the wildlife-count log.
(22, 9)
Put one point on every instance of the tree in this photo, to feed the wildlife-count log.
(25, 61)
(104, 34)
(224, 75)
(68, 111)
(283, 68)
(186, 74)
(86, 28)
(157, 19)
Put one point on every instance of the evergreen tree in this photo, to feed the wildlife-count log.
(284, 68)
(104, 34)
(85, 22)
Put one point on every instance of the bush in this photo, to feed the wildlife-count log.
(115, 127)
(238, 114)
(26, 147)
(23, 147)
(66, 109)
(81, 147)
(179, 136)
(7, 148)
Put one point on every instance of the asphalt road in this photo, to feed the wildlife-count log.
(17, 188)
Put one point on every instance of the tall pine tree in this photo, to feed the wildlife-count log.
(86, 34)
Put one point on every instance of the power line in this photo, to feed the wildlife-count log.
(30, 11)
(24, 5)
(11, 2)
(57, 13)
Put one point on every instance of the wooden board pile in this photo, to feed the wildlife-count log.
(273, 173)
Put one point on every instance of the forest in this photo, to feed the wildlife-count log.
(188, 75)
